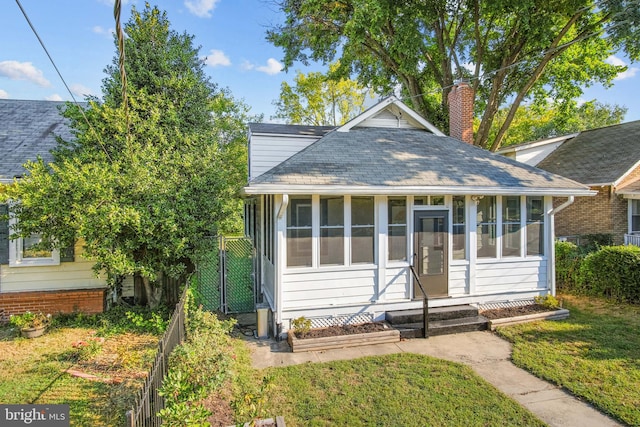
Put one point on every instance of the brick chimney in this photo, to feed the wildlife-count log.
(461, 112)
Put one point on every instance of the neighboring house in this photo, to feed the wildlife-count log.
(339, 215)
(605, 159)
(47, 281)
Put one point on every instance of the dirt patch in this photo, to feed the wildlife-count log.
(501, 313)
(334, 331)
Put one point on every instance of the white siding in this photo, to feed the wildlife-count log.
(67, 275)
(505, 276)
(268, 281)
(534, 155)
(458, 279)
(386, 119)
(396, 284)
(328, 288)
(265, 152)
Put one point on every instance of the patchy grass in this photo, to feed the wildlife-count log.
(35, 371)
(595, 353)
(398, 389)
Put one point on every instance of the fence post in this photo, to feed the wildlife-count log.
(131, 421)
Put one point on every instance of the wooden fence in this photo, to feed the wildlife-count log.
(149, 402)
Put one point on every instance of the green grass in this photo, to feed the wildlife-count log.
(33, 371)
(393, 390)
(595, 354)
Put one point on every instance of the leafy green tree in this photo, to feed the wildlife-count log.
(142, 187)
(511, 50)
(533, 122)
(318, 99)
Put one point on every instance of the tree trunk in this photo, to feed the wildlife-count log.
(152, 292)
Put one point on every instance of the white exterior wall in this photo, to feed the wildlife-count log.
(328, 291)
(265, 152)
(66, 275)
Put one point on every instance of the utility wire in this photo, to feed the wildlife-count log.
(61, 78)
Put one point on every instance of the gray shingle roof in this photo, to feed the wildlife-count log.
(598, 156)
(392, 157)
(282, 129)
(28, 130)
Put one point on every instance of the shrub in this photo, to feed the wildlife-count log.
(568, 260)
(548, 301)
(613, 272)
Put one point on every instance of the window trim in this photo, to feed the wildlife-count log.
(16, 258)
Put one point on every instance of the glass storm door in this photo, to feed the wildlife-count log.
(431, 237)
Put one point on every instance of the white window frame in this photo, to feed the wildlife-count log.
(16, 258)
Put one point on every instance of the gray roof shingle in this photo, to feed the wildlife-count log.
(392, 157)
(28, 129)
(598, 156)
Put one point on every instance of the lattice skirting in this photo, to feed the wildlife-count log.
(340, 320)
(505, 304)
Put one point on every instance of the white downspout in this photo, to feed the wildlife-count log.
(279, 265)
(551, 269)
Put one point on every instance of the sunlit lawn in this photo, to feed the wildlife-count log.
(393, 390)
(34, 371)
(595, 354)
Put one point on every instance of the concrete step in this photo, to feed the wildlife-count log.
(443, 327)
(437, 313)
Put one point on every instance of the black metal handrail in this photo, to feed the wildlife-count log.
(425, 298)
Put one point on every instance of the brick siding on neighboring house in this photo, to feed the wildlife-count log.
(604, 213)
(89, 301)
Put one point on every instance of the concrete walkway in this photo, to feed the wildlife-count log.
(487, 354)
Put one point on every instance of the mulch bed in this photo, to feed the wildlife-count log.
(501, 313)
(334, 331)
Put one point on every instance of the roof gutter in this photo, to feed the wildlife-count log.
(551, 266)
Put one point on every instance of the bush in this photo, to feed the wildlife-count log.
(568, 260)
(613, 272)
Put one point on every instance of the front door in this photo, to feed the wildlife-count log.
(431, 237)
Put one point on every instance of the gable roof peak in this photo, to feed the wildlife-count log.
(395, 107)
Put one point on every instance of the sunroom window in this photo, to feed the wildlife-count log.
(511, 226)
(486, 221)
(331, 230)
(299, 241)
(362, 230)
(459, 228)
(535, 225)
(397, 210)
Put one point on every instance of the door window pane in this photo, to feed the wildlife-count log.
(397, 242)
(331, 230)
(511, 226)
(362, 229)
(299, 232)
(486, 220)
(535, 225)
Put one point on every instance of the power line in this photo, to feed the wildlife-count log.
(61, 78)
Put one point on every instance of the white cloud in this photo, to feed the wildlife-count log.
(273, 67)
(631, 71)
(4, 94)
(246, 65)
(201, 8)
(217, 58)
(23, 71)
(80, 90)
(103, 31)
(54, 97)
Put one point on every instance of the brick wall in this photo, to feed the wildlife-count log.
(603, 213)
(88, 301)
(461, 112)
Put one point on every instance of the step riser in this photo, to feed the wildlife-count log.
(444, 327)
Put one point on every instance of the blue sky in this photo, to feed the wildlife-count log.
(231, 34)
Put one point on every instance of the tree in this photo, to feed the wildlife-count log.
(318, 99)
(142, 186)
(533, 122)
(511, 50)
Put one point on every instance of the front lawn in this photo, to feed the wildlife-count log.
(595, 353)
(395, 390)
(34, 371)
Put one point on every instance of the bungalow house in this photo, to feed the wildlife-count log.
(605, 159)
(47, 281)
(340, 214)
